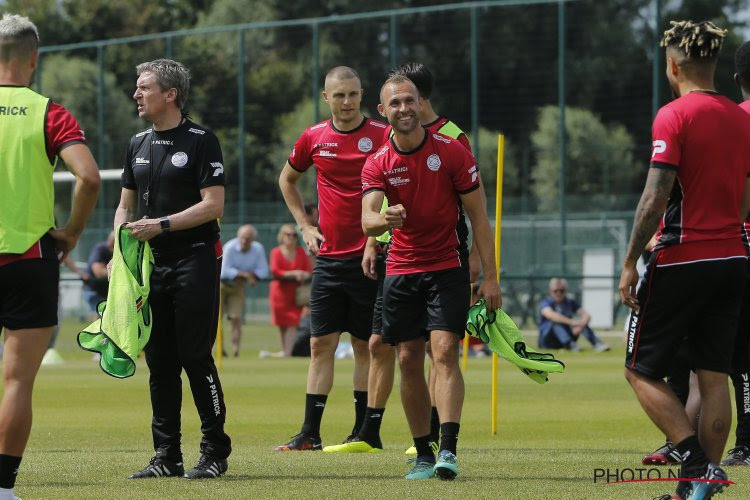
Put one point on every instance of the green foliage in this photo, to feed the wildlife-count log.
(599, 158)
(72, 82)
(512, 177)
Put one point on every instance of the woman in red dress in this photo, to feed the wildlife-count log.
(290, 267)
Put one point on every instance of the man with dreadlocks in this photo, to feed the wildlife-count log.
(696, 186)
(740, 454)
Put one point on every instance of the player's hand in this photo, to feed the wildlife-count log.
(395, 215)
(65, 241)
(312, 238)
(369, 260)
(490, 290)
(145, 229)
(628, 283)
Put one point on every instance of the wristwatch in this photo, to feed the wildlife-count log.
(164, 223)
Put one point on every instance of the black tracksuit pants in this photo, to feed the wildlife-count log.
(185, 305)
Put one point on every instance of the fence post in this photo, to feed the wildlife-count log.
(474, 18)
(100, 125)
(316, 71)
(393, 39)
(656, 71)
(241, 125)
(563, 135)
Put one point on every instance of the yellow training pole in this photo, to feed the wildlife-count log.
(219, 353)
(498, 235)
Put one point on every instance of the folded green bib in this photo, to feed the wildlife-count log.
(124, 326)
(500, 333)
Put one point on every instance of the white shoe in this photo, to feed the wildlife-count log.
(601, 347)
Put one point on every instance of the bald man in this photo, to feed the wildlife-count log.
(341, 297)
(244, 264)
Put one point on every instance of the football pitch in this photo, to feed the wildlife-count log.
(558, 440)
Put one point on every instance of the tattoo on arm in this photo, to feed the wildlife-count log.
(650, 209)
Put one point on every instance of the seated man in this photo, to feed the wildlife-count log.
(563, 320)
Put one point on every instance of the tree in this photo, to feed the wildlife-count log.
(599, 160)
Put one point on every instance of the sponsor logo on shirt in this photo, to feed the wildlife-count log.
(13, 110)
(327, 154)
(381, 152)
(397, 170)
(141, 161)
(474, 173)
(294, 150)
(441, 138)
(147, 131)
(398, 181)
(378, 124)
(326, 145)
(659, 147)
(219, 168)
(163, 143)
(196, 131)
(433, 162)
(319, 125)
(365, 144)
(179, 159)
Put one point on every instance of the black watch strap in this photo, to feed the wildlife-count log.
(164, 223)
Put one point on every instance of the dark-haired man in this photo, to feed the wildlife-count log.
(341, 296)
(426, 288)
(172, 196)
(34, 131)
(697, 186)
(740, 454)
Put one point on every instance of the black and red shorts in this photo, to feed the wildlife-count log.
(697, 303)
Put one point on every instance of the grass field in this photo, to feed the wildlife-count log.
(90, 431)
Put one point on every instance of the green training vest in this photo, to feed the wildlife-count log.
(125, 324)
(27, 196)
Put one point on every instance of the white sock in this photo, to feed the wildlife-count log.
(7, 494)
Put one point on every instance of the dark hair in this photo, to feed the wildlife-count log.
(419, 75)
(742, 63)
(698, 41)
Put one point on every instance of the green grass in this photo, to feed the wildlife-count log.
(90, 431)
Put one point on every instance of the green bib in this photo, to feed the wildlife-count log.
(27, 196)
(125, 326)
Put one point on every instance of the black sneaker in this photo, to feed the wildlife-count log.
(159, 466)
(207, 467)
(739, 455)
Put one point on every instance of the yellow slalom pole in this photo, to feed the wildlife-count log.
(498, 235)
(219, 343)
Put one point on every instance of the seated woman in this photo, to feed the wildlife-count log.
(563, 320)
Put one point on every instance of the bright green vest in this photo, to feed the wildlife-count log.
(27, 196)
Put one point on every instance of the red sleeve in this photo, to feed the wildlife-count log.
(463, 171)
(61, 130)
(667, 142)
(301, 156)
(372, 176)
(464, 140)
(276, 270)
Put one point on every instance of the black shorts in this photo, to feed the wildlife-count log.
(415, 304)
(341, 298)
(28, 294)
(741, 359)
(700, 301)
(377, 313)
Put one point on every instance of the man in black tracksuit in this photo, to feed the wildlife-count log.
(172, 194)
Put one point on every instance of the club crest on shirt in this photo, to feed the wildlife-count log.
(433, 162)
(365, 144)
(179, 159)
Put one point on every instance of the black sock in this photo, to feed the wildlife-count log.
(8, 470)
(434, 426)
(360, 405)
(449, 430)
(741, 382)
(694, 459)
(314, 406)
(370, 430)
(424, 450)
